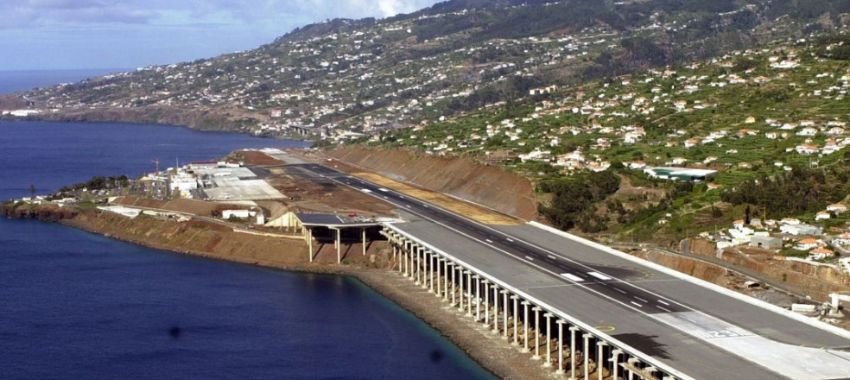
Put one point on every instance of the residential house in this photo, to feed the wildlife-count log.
(807, 244)
(837, 208)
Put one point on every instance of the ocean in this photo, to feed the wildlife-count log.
(24, 80)
(77, 305)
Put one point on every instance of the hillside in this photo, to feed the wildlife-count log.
(346, 77)
(770, 124)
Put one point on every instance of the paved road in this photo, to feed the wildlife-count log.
(666, 317)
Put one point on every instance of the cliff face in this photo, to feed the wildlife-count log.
(212, 120)
(45, 213)
(490, 186)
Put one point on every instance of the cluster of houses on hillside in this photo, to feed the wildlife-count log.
(338, 85)
(607, 115)
(789, 235)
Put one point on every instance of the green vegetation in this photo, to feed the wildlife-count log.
(574, 198)
(98, 183)
(799, 191)
(454, 58)
(745, 114)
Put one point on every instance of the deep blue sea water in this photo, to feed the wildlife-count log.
(75, 305)
(23, 80)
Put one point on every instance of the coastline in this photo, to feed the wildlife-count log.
(487, 349)
(157, 123)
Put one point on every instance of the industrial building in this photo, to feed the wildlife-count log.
(681, 174)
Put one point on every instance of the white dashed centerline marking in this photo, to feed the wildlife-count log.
(641, 299)
(665, 309)
(572, 277)
(552, 257)
(599, 276)
(663, 303)
(489, 241)
(635, 303)
(621, 290)
(510, 240)
(529, 258)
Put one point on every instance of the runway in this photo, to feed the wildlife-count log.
(694, 329)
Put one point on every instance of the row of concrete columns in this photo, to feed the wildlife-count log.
(308, 236)
(513, 317)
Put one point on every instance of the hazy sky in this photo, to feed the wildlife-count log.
(81, 34)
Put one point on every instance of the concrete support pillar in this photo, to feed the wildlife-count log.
(477, 299)
(460, 295)
(432, 260)
(309, 233)
(615, 363)
(600, 359)
(573, 331)
(525, 326)
(505, 314)
(417, 265)
(411, 269)
(454, 284)
(468, 293)
(536, 334)
(364, 241)
(402, 263)
(339, 246)
(395, 254)
(586, 355)
(439, 278)
(560, 323)
(516, 320)
(425, 268)
(486, 303)
(446, 280)
(420, 266)
(548, 341)
(495, 309)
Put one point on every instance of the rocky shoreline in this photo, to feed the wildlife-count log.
(198, 239)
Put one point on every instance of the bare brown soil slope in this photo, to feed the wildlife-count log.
(698, 269)
(196, 237)
(490, 186)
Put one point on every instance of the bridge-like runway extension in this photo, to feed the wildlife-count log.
(635, 318)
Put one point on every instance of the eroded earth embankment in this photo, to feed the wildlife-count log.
(489, 186)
